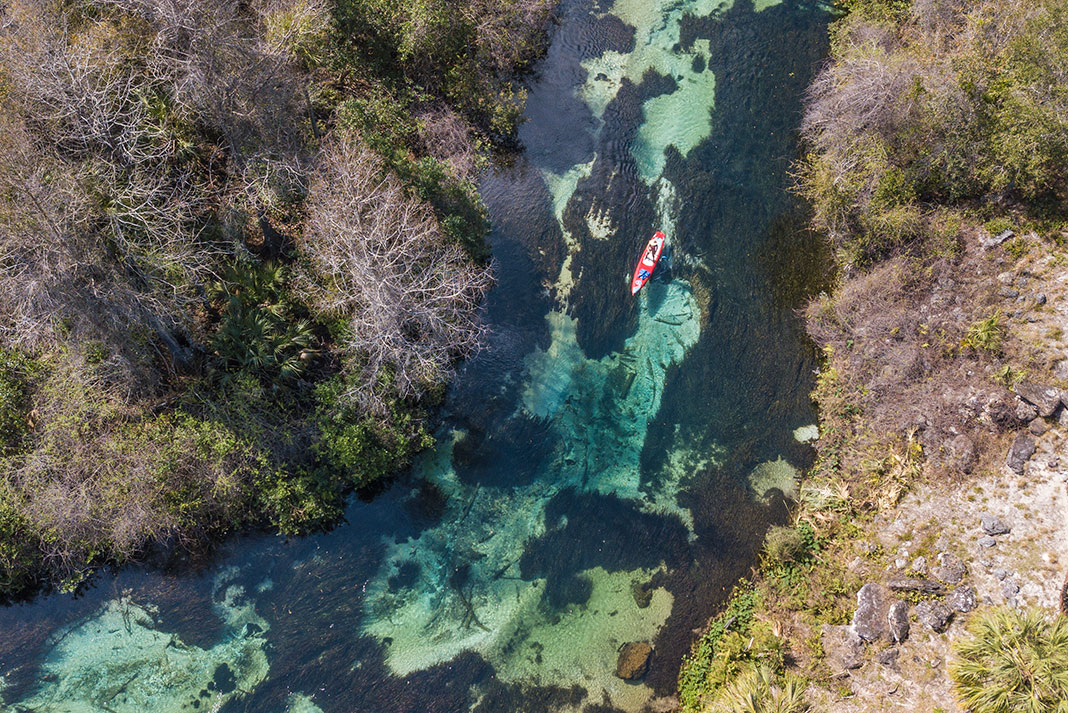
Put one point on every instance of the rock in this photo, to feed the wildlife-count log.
(919, 565)
(1053, 463)
(1020, 452)
(897, 620)
(869, 620)
(843, 649)
(1038, 427)
(1008, 293)
(1025, 412)
(961, 453)
(1060, 370)
(986, 541)
(909, 584)
(998, 414)
(1040, 298)
(642, 593)
(962, 599)
(934, 615)
(1009, 588)
(633, 660)
(888, 657)
(992, 241)
(993, 526)
(949, 569)
(901, 563)
(1045, 398)
(1000, 574)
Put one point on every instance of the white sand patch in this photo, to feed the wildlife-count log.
(118, 661)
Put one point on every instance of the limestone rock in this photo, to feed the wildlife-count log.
(888, 657)
(949, 569)
(898, 621)
(1045, 398)
(842, 647)
(992, 241)
(910, 584)
(869, 620)
(633, 660)
(961, 453)
(962, 599)
(934, 615)
(1025, 412)
(1038, 427)
(1020, 452)
(986, 541)
(993, 526)
(919, 565)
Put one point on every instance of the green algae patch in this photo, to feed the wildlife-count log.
(775, 475)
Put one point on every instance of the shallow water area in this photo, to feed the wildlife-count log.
(604, 470)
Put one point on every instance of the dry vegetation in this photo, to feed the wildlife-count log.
(239, 245)
(937, 125)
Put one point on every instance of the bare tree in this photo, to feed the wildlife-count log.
(380, 261)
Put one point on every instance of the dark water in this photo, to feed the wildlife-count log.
(606, 468)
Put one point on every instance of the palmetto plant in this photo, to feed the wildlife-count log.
(760, 690)
(1013, 662)
(258, 331)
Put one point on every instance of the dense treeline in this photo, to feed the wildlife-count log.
(240, 246)
(935, 113)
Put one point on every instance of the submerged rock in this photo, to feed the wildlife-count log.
(633, 660)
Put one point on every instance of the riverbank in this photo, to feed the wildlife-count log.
(195, 337)
(938, 496)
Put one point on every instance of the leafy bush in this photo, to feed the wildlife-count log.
(1012, 662)
(783, 545)
(933, 104)
(986, 335)
(761, 690)
(15, 372)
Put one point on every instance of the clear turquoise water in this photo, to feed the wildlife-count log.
(605, 469)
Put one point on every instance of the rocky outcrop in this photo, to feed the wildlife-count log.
(962, 599)
(993, 526)
(910, 584)
(949, 569)
(1046, 399)
(633, 660)
(843, 649)
(898, 621)
(869, 620)
(934, 614)
(961, 453)
(1020, 452)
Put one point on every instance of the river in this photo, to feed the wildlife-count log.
(605, 469)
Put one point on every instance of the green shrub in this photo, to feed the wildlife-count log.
(360, 447)
(16, 371)
(783, 545)
(1012, 662)
(986, 335)
(761, 690)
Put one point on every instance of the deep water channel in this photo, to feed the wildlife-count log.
(605, 470)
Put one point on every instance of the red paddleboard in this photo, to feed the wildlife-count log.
(647, 264)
